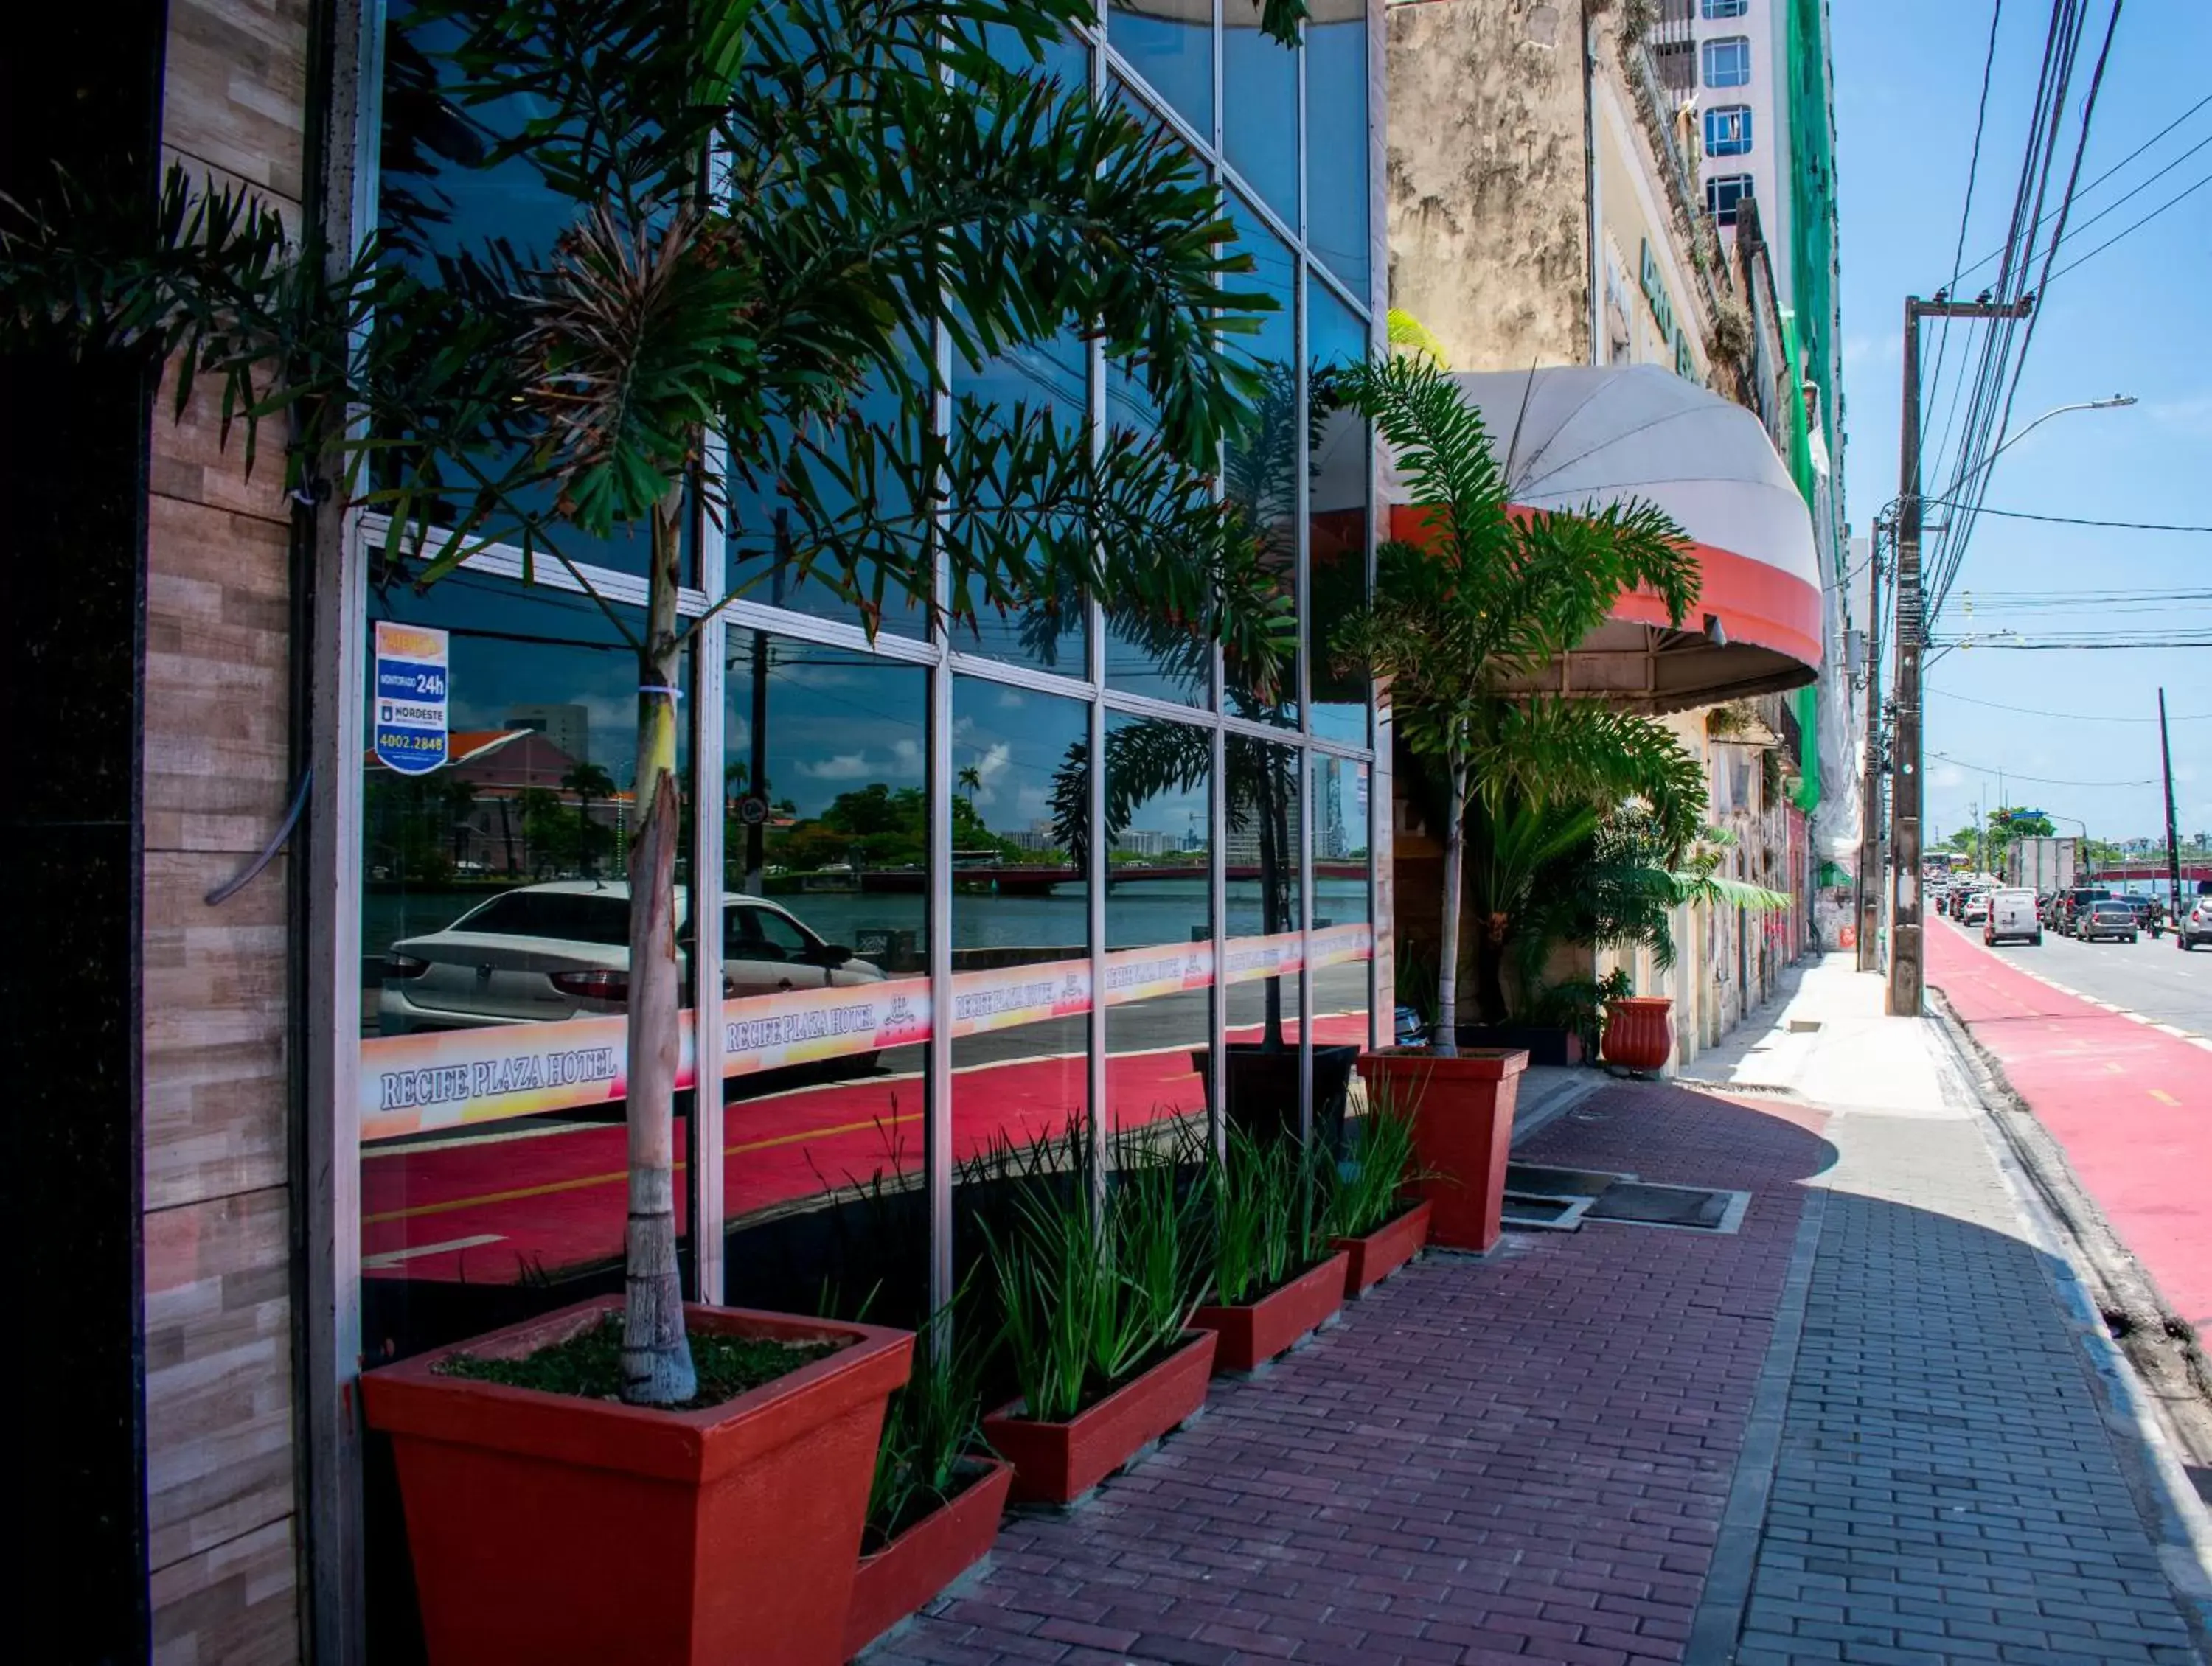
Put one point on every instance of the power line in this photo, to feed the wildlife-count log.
(2068, 717)
(2039, 780)
(2136, 226)
(2146, 145)
(2074, 520)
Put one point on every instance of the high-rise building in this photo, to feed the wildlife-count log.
(567, 725)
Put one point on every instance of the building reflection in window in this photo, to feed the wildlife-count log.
(494, 940)
(825, 1015)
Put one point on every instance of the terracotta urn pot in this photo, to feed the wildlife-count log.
(1639, 1034)
(552, 1528)
(1462, 1110)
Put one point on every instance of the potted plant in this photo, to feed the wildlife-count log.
(1367, 1213)
(723, 1527)
(1273, 1284)
(1639, 1033)
(1095, 1287)
(934, 1508)
(1489, 596)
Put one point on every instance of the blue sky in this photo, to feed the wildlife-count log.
(2135, 319)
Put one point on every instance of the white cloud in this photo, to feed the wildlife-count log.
(845, 766)
(989, 765)
(1946, 775)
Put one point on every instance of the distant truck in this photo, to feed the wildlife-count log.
(2041, 865)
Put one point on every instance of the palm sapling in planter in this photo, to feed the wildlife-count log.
(1275, 1279)
(1097, 1279)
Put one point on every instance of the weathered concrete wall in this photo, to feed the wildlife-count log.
(1489, 218)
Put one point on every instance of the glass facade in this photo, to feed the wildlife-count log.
(943, 927)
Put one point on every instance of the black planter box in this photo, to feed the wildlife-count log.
(1545, 1043)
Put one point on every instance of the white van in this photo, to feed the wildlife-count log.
(2012, 914)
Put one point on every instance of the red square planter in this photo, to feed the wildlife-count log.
(1372, 1259)
(1255, 1332)
(548, 1528)
(1462, 1111)
(913, 1568)
(1058, 1462)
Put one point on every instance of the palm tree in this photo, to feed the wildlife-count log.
(1492, 594)
(881, 176)
(590, 784)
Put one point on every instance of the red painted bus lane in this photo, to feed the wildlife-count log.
(2131, 1105)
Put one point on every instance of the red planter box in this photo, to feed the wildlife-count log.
(1637, 1033)
(1058, 1462)
(550, 1527)
(1255, 1332)
(1373, 1258)
(913, 1568)
(1462, 1111)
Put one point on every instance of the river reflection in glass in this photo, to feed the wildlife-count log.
(1021, 933)
(1158, 920)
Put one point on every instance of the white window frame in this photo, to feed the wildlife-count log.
(1719, 10)
(1710, 52)
(1722, 117)
(1748, 193)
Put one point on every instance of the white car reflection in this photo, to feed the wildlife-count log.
(542, 953)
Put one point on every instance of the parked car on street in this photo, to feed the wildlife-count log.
(2111, 919)
(2011, 915)
(2195, 926)
(542, 953)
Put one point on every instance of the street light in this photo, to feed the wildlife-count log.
(2117, 401)
(2084, 827)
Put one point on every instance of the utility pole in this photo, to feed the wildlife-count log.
(1908, 971)
(1870, 882)
(2172, 854)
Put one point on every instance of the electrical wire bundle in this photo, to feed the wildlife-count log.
(1995, 352)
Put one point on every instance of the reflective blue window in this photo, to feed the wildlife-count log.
(1337, 475)
(1260, 475)
(1727, 63)
(1170, 44)
(1337, 153)
(1728, 130)
(1723, 193)
(1260, 108)
(1724, 8)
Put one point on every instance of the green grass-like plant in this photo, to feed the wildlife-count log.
(1093, 1286)
(931, 1426)
(1368, 1186)
(1266, 1197)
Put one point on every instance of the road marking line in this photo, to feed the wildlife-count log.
(2163, 1097)
(394, 1257)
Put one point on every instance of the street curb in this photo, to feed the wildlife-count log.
(2179, 1522)
(1718, 1621)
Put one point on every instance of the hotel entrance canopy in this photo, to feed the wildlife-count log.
(1571, 438)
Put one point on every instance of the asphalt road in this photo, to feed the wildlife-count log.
(2149, 976)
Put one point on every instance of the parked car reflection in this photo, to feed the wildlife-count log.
(543, 953)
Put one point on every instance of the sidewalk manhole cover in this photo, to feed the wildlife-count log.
(1640, 1204)
(1547, 1215)
(1542, 1180)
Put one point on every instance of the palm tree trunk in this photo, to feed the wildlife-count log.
(656, 1355)
(1446, 1038)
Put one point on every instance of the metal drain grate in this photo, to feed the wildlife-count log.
(1543, 1198)
(1695, 1209)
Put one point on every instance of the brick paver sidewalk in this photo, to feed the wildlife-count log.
(1528, 1456)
